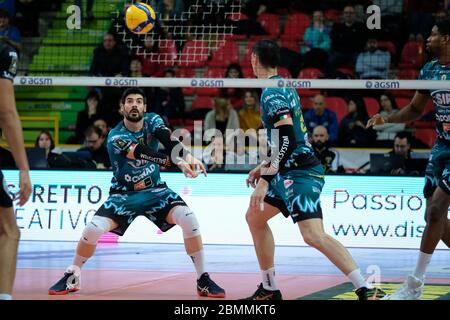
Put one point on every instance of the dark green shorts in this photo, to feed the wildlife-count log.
(437, 172)
(154, 204)
(296, 193)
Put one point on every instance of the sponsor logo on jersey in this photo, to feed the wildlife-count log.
(288, 183)
(441, 98)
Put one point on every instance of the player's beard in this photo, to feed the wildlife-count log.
(134, 116)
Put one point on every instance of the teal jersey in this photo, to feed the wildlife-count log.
(281, 103)
(133, 175)
(433, 70)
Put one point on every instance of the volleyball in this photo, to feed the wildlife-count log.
(140, 18)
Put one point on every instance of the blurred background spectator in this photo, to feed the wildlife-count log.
(320, 115)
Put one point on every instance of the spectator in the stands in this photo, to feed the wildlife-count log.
(214, 154)
(320, 115)
(27, 16)
(249, 114)
(402, 148)
(327, 156)
(110, 59)
(222, 117)
(386, 132)
(136, 68)
(373, 63)
(440, 15)
(6, 157)
(352, 131)
(347, 40)
(94, 143)
(9, 34)
(148, 55)
(235, 95)
(168, 102)
(45, 140)
(102, 125)
(87, 116)
(317, 43)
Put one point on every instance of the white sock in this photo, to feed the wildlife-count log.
(198, 258)
(79, 261)
(422, 264)
(358, 280)
(268, 277)
(5, 296)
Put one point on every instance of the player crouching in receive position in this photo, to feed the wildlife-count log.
(132, 147)
(291, 183)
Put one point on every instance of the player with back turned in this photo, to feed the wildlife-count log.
(291, 183)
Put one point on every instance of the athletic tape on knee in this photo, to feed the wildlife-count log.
(185, 218)
(95, 229)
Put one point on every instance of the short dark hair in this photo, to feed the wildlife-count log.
(403, 135)
(49, 135)
(91, 129)
(268, 53)
(444, 27)
(133, 90)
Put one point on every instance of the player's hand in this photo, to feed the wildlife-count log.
(253, 177)
(258, 195)
(375, 120)
(192, 167)
(25, 187)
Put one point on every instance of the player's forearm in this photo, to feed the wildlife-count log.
(10, 123)
(406, 114)
(143, 152)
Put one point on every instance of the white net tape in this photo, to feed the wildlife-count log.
(232, 83)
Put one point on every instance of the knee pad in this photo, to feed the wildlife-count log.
(95, 229)
(185, 218)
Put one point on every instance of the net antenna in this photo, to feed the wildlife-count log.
(183, 37)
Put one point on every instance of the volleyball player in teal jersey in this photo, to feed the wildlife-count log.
(437, 174)
(137, 190)
(291, 183)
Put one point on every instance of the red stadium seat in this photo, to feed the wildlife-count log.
(333, 15)
(194, 54)
(306, 102)
(270, 23)
(248, 72)
(337, 105)
(310, 73)
(388, 46)
(427, 136)
(347, 71)
(293, 45)
(296, 26)
(412, 55)
(284, 73)
(168, 52)
(246, 60)
(187, 73)
(203, 102)
(308, 92)
(226, 54)
(408, 74)
(372, 106)
(402, 102)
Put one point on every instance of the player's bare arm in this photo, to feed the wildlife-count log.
(409, 113)
(9, 121)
